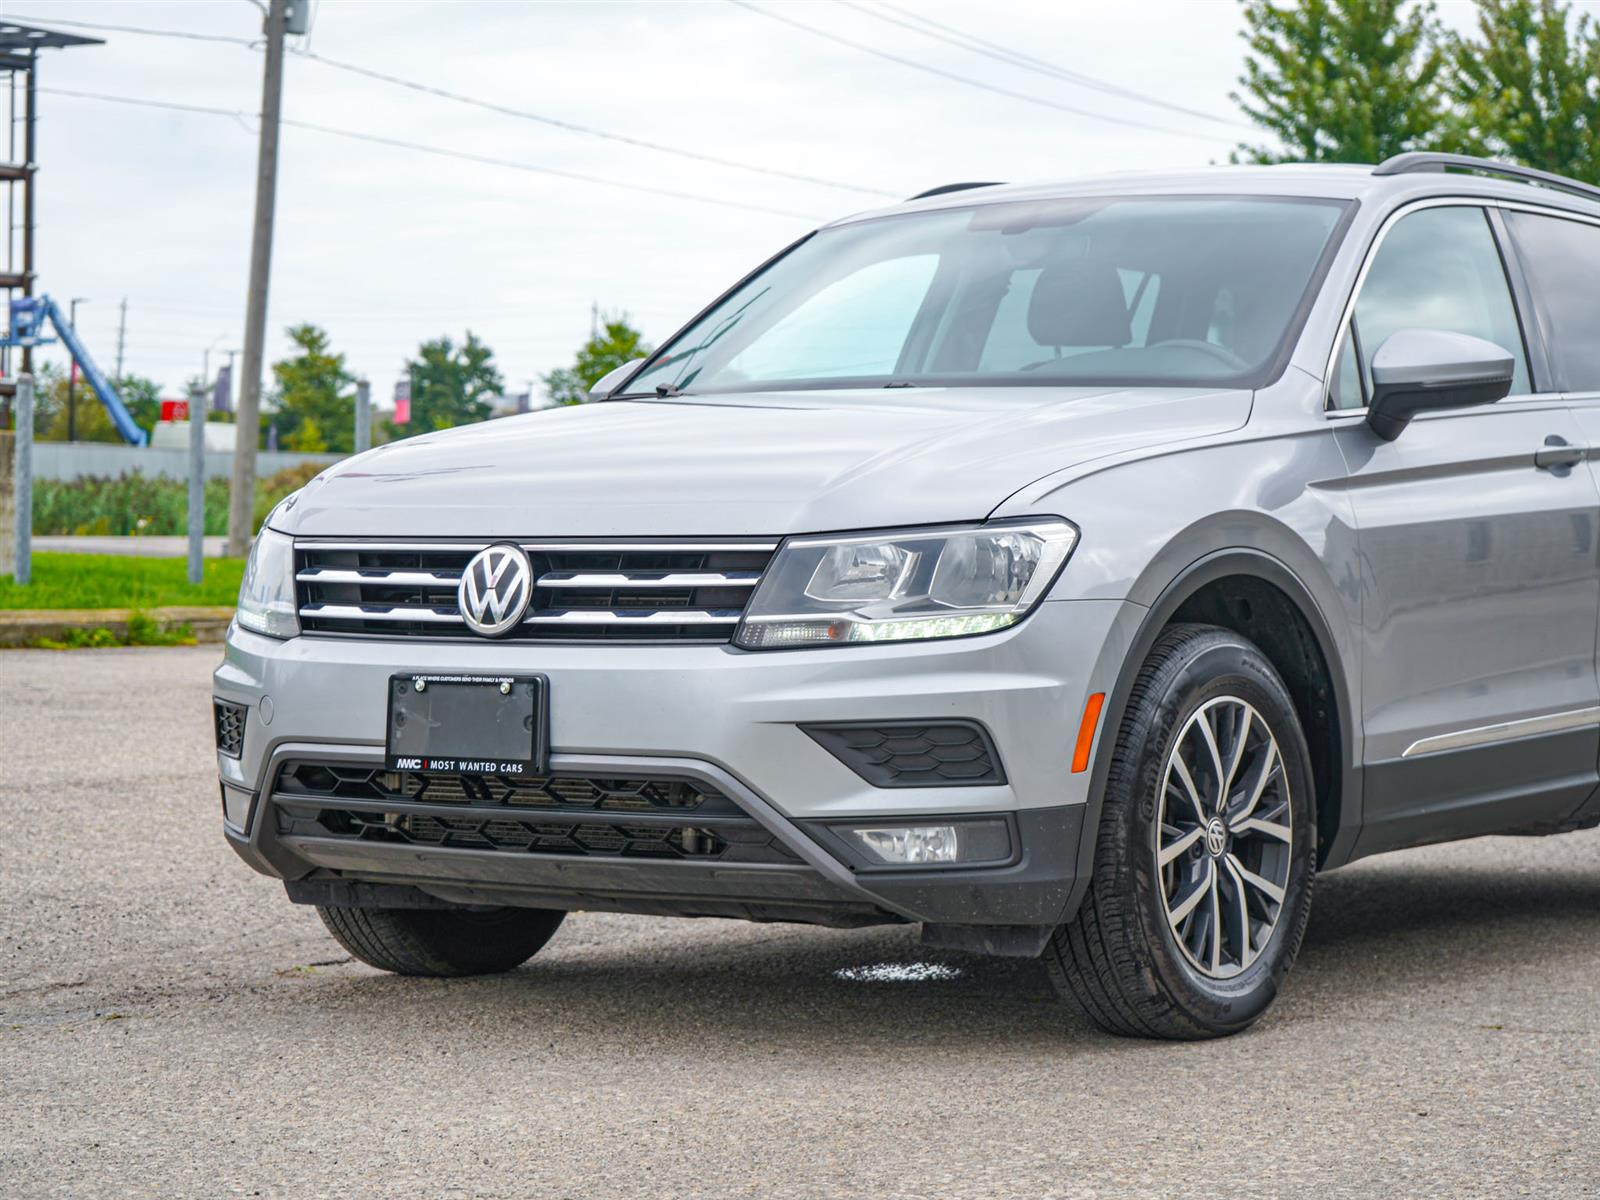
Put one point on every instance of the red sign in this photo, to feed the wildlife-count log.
(402, 402)
(174, 410)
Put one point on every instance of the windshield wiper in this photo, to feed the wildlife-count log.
(666, 390)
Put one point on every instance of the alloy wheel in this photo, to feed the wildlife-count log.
(1223, 837)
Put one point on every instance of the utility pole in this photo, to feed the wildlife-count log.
(72, 371)
(227, 399)
(363, 434)
(122, 333)
(241, 498)
(22, 481)
(205, 363)
(197, 483)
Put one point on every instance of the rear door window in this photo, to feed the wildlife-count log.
(1562, 261)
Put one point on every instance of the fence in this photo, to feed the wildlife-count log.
(74, 460)
(8, 511)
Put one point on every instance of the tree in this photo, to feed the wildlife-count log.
(618, 343)
(308, 438)
(141, 397)
(1528, 87)
(452, 385)
(1342, 80)
(314, 397)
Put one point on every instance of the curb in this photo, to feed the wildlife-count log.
(21, 627)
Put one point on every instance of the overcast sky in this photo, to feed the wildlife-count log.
(386, 247)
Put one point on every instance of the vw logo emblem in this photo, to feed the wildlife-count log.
(1216, 837)
(495, 589)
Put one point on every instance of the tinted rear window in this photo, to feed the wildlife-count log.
(1562, 259)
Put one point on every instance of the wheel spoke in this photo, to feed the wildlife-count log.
(1267, 888)
(1176, 847)
(1241, 737)
(1210, 738)
(1182, 769)
(1216, 924)
(1262, 826)
(1178, 912)
(1246, 949)
(1266, 771)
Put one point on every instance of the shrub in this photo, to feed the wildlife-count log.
(142, 631)
(101, 505)
(275, 487)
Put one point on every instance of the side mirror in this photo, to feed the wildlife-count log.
(608, 382)
(1418, 370)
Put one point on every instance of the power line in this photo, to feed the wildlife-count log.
(494, 107)
(489, 160)
(1028, 62)
(172, 105)
(186, 34)
(590, 131)
(439, 151)
(969, 81)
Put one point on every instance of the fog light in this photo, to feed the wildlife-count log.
(931, 845)
(236, 804)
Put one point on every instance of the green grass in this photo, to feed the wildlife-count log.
(120, 581)
(142, 631)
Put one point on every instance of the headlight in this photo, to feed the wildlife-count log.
(893, 587)
(266, 597)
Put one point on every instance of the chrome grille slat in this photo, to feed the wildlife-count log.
(660, 616)
(690, 590)
(647, 579)
(667, 547)
(379, 577)
(369, 612)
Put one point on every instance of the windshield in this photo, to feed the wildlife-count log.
(1170, 291)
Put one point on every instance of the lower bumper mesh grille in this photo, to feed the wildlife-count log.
(229, 719)
(570, 815)
(900, 754)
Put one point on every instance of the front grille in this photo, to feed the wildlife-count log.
(638, 591)
(567, 815)
(893, 754)
(229, 718)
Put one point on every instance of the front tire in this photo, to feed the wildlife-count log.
(1206, 850)
(442, 942)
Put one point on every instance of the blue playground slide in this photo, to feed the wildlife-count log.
(27, 318)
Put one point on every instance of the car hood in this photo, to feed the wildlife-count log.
(758, 464)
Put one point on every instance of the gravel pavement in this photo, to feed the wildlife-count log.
(171, 1026)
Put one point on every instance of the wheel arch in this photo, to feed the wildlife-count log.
(1195, 593)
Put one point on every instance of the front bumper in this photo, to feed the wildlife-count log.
(725, 717)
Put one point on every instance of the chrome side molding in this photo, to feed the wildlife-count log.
(1505, 731)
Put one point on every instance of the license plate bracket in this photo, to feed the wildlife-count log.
(471, 724)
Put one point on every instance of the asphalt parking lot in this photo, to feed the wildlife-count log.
(170, 1025)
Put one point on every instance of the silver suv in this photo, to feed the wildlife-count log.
(1073, 570)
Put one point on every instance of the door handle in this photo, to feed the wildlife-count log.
(1558, 455)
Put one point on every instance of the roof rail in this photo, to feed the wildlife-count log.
(950, 187)
(1427, 160)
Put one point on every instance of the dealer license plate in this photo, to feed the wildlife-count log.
(472, 724)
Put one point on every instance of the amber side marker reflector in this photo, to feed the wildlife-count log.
(1091, 718)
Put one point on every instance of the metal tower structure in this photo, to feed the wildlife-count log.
(19, 61)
